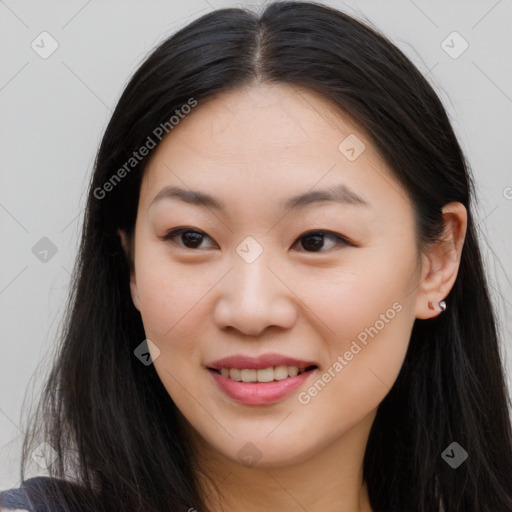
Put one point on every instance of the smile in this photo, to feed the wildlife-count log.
(272, 373)
(257, 381)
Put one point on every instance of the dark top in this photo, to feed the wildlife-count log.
(24, 497)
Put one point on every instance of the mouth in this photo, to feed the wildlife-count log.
(263, 375)
(260, 386)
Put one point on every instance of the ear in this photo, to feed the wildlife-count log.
(127, 247)
(440, 264)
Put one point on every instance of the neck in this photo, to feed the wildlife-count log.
(330, 480)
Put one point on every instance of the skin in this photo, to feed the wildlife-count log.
(254, 148)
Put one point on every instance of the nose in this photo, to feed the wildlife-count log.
(253, 296)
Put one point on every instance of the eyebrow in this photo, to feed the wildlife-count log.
(336, 193)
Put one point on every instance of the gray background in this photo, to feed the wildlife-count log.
(55, 109)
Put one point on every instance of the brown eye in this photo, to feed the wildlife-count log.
(188, 238)
(314, 241)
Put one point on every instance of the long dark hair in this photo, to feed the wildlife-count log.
(109, 418)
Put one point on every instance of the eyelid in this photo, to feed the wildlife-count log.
(175, 232)
(341, 239)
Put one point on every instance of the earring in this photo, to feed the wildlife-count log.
(442, 305)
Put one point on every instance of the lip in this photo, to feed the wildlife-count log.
(259, 393)
(258, 363)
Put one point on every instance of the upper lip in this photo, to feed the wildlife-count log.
(258, 363)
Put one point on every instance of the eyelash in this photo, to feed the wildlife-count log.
(327, 234)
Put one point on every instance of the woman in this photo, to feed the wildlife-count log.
(279, 302)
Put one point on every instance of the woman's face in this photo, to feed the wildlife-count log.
(251, 281)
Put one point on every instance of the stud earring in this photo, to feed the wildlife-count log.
(442, 305)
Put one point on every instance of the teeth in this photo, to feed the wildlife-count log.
(263, 374)
(293, 371)
(234, 374)
(248, 375)
(280, 372)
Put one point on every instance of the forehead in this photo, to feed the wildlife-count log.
(266, 140)
(262, 120)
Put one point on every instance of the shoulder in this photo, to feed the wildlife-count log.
(37, 494)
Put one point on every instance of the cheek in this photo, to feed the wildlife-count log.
(358, 378)
(172, 303)
(370, 293)
(170, 294)
(174, 308)
(366, 335)
(367, 316)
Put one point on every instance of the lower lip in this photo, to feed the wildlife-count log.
(259, 393)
